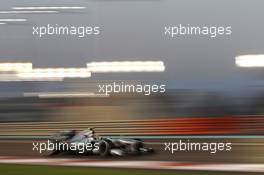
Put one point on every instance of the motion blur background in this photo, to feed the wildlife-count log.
(201, 76)
(207, 93)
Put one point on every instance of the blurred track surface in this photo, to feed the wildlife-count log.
(243, 151)
(160, 165)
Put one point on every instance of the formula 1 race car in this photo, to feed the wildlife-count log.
(85, 142)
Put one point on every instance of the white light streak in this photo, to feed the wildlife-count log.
(65, 95)
(26, 12)
(13, 20)
(250, 61)
(16, 67)
(56, 73)
(50, 8)
(126, 66)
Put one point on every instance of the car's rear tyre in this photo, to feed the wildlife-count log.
(104, 148)
(56, 152)
(135, 147)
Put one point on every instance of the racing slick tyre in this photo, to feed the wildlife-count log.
(104, 148)
(135, 147)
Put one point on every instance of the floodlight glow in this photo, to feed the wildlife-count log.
(26, 12)
(13, 20)
(50, 8)
(56, 73)
(16, 67)
(126, 66)
(250, 61)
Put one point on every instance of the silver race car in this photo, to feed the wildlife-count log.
(85, 142)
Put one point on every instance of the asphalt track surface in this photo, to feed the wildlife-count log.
(146, 165)
(243, 151)
(246, 157)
